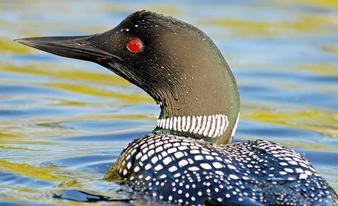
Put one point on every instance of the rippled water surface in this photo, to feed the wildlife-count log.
(64, 122)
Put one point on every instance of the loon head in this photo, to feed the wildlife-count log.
(174, 62)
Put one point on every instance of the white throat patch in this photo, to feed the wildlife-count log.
(210, 125)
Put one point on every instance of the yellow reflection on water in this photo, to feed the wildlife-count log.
(31, 171)
(326, 69)
(311, 119)
(72, 73)
(84, 89)
(252, 28)
(8, 46)
(318, 3)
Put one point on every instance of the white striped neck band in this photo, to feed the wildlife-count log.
(205, 125)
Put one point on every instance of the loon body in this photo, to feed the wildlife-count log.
(187, 171)
(185, 160)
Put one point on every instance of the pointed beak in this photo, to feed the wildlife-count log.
(77, 47)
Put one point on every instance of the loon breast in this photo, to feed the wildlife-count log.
(186, 171)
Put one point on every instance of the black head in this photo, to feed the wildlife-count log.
(174, 62)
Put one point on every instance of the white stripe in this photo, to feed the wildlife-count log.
(175, 121)
(224, 122)
(183, 123)
(179, 124)
(235, 127)
(193, 124)
(158, 122)
(218, 117)
(205, 133)
(226, 126)
(213, 125)
(171, 123)
(203, 125)
(187, 126)
(163, 123)
(199, 122)
(167, 124)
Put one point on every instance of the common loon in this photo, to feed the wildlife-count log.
(185, 160)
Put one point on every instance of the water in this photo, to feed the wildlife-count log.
(64, 122)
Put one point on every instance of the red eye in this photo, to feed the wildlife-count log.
(135, 45)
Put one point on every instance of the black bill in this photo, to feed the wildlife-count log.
(77, 47)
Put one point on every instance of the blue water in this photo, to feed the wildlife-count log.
(64, 122)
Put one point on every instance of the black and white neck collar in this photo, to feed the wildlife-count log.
(209, 126)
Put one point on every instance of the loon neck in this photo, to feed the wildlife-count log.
(203, 126)
(200, 105)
